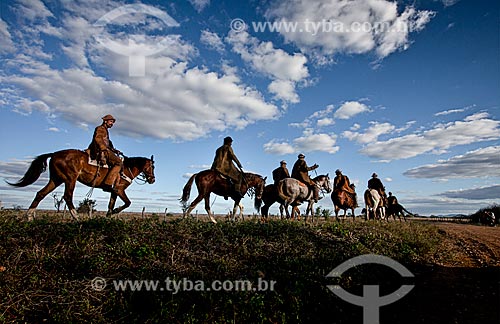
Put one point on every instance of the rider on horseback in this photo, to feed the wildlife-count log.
(223, 163)
(341, 182)
(375, 183)
(300, 172)
(280, 173)
(102, 149)
(392, 200)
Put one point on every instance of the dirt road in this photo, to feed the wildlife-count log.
(471, 245)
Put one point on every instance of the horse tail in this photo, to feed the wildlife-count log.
(186, 191)
(37, 167)
(281, 194)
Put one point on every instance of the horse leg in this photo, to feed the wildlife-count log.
(123, 196)
(69, 187)
(111, 203)
(193, 205)
(282, 207)
(296, 211)
(264, 212)
(309, 210)
(240, 205)
(53, 184)
(207, 208)
(233, 214)
(353, 216)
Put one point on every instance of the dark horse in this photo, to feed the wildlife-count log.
(70, 166)
(343, 200)
(209, 181)
(269, 197)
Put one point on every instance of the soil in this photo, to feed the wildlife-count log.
(461, 286)
(472, 245)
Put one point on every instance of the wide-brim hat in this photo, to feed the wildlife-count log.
(374, 175)
(283, 162)
(108, 117)
(301, 156)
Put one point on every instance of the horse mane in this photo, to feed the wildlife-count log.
(137, 161)
(318, 177)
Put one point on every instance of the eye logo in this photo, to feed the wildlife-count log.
(136, 50)
(371, 300)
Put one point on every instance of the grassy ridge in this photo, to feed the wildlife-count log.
(47, 268)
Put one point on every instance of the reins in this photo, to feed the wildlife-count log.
(91, 191)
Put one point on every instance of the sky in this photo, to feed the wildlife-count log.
(406, 89)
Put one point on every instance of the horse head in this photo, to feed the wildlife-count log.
(260, 183)
(148, 170)
(323, 181)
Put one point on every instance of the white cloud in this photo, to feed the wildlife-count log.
(285, 69)
(474, 128)
(449, 3)
(192, 102)
(173, 99)
(278, 148)
(307, 143)
(199, 5)
(212, 41)
(371, 134)
(284, 89)
(453, 111)
(490, 192)
(325, 122)
(323, 43)
(480, 163)
(6, 43)
(349, 109)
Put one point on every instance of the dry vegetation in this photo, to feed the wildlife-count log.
(47, 266)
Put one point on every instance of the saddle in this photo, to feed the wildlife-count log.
(94, 162)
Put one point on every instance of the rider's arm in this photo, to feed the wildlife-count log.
(234, 158)
(101, 138)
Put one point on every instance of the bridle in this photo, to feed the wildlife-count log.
(145, 176)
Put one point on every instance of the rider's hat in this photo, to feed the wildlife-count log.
(228, 139)
(301, 156)
(338, 171)
(283, 162)
(374, 175)
(108, 117)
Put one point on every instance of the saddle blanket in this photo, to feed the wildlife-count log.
(105, 166)
(95, 163)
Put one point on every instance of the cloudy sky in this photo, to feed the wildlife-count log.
(407, 89)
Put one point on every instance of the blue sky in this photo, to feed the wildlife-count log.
(407, 89)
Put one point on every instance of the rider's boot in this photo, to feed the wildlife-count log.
(237, 189)
(316, 196)
(112, 179)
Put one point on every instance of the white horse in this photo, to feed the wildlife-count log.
(374, 202)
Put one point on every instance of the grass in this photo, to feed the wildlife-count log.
(47, 266)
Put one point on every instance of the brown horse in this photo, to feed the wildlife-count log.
(209, 181)
(70, 166)
(343, 200)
